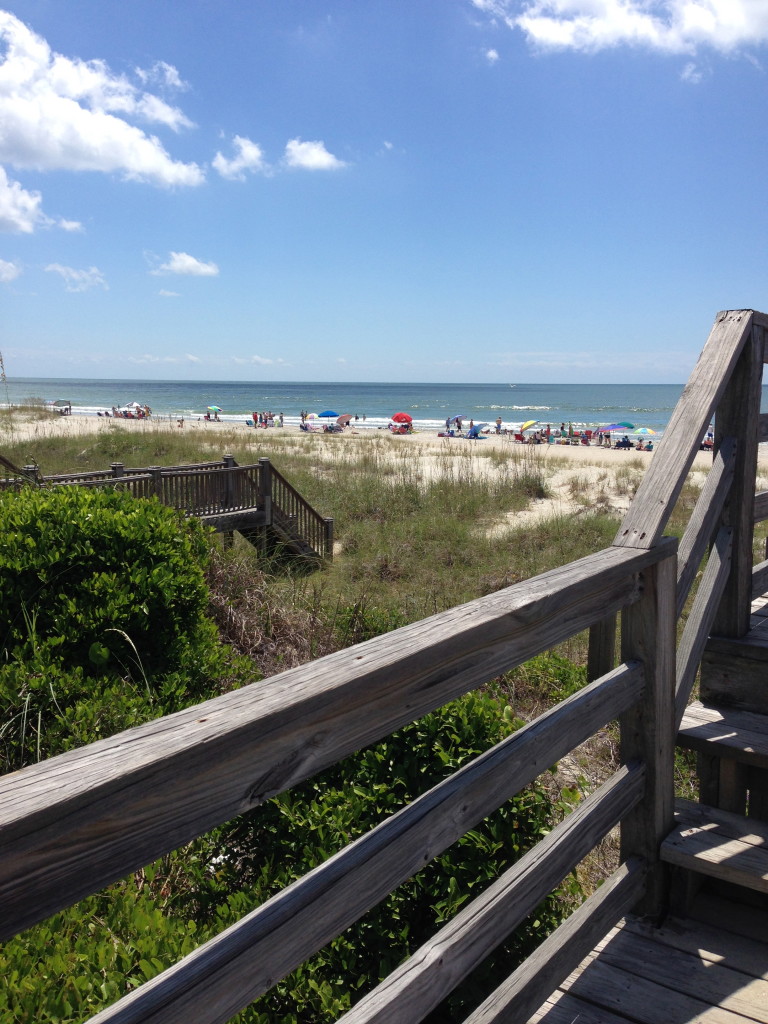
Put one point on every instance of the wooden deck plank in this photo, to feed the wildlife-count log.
(640, 1000)
(714, 843)
(726, 916)
(725, 732)
(686, 972)
(713, 945)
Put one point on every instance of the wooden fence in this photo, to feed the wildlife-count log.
(71, 825)
(216, 491)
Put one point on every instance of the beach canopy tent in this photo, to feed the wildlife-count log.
(402, 417)
(328, 415)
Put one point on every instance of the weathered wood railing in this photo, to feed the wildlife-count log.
(75, 823)
(79, 821)
(210, 489)
(725, 386)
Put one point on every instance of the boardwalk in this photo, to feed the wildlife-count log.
(675, 935)
(709, 967)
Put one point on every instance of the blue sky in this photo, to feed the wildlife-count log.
(394, 190)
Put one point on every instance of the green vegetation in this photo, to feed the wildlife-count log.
(111, 622)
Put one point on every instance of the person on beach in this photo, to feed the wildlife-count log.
(498, 424)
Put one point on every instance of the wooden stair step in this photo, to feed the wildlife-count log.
(719, 844)
(725, 732)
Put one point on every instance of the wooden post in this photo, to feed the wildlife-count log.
(737, 416)
(601, 657)
(30, 473)
(229, 482)
(265, 467)
(648, 729)
(157, 480)
(328, 538)
(118, 469)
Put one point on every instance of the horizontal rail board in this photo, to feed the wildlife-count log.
(551, 963)
(761, 506)
(87, 817)
(433, 971)
(233, 969)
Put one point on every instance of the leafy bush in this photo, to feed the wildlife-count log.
(83, 564)
(103, 623)
(90, 954)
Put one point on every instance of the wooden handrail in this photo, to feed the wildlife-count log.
(70, 825)
(188, 772)
(661, 485)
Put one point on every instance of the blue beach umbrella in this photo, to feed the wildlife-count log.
(329, 415)
(458, 416)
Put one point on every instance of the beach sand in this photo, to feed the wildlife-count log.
(580, 477)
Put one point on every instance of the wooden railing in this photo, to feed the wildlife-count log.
(77, 822)
(213, 488)
(293, 513)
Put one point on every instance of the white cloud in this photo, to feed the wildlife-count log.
(183, 263)
(59, 113)
(69, 225)
(79, 280)
(691, 73)
(192, 359)
(168, 295)
(9, 271)
(249, 157)
(670, 26)
(491, 56)
(311, 156)
(20, 211)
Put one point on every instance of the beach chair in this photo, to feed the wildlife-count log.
(520, 438)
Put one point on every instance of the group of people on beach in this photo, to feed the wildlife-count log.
(267, 419)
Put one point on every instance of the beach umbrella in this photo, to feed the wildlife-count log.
(644, 430)
(458, 416)
(214, 408)
(344, 418)
(481, 426)
(328, 415)
(402, 417)
(529, 423)
(616, 426)
(310, 416)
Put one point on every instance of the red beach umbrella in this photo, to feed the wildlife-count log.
(344, 418)
(402, 417)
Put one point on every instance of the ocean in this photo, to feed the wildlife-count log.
(583, 405)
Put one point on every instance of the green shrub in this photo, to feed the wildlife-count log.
(82, 565)
(103, 623)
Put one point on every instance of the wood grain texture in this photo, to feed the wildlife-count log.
(719, 844)
(739, 735)
(70, 825)
(704, 519)
(219, 978)
(760, 508)
(526, 989)
(660, 487)
(737, 414)
(648, 730)
(702, 615)
(427, 977)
